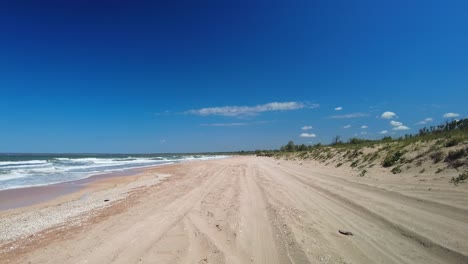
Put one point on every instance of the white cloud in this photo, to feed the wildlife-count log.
(250, 110)
(363, 133)
(451, 115)
(425, 121)
(388, 115)
(353, 115)
(398, 128)
(347, 126)
(383, 132)
(396, 123)
(364, 127)
(339, 108)
(162, 141)
(307, 135)
(306, 127)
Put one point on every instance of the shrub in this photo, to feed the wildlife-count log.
(452, 142)
(354, 164)
(339, 164)
(396, 170)
(422, 171)
(392, 158)
(458, 163)
(439, 170)
(363, 172)
(460, 179)
(353, 155)
(437, 156)
(454, 155)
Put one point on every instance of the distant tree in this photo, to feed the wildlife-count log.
(336, 140)
(423, 131)
(387, 138)
(302, 147)
(355, 140)
(290, 147)
(447, 126)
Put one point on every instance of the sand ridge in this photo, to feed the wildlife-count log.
(262, 210)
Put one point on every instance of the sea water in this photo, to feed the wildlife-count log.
(26, 170)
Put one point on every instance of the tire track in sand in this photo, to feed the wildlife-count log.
(343, 206)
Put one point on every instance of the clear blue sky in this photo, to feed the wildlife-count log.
(186, 76)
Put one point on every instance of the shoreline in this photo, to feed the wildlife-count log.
(11, 199)
(19, 197)
(69, 206)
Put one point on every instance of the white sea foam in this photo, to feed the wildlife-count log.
(50, 170)
(22, 163)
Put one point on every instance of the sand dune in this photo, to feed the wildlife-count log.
(261, 210)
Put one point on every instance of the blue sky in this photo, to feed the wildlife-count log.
(187, 76)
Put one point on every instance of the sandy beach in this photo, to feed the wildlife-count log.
(244, 210)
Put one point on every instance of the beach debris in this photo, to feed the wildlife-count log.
(106, 200)
(346, 233)
(219, 228)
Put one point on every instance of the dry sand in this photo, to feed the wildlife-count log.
(246, 210)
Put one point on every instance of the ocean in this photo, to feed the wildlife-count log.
(27, 170)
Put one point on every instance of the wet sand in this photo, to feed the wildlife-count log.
(20, 197)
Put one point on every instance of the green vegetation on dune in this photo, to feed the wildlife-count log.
(443, 147)
(460, 179)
